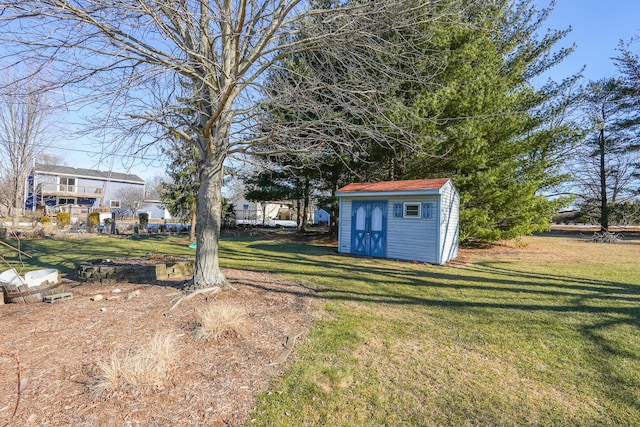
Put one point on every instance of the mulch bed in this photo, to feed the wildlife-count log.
(58, 347)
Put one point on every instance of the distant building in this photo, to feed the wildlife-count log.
(247, 212)
(53, 186)
(267, 213)
(321, 216)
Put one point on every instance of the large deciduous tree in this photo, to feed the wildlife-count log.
(25, 116)
(606, 168)
(195, 69)
(130, 200)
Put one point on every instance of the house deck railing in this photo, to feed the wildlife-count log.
(70, 190)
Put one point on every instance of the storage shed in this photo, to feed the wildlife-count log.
(415, 220)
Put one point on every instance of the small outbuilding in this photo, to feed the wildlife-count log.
(414, 220)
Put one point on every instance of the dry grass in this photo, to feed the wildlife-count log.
(148, 366)
(220, 318)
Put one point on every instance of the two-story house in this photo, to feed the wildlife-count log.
(51, 186)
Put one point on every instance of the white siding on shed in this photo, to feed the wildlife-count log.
(449, 223)
(412, 239)
(344, 227)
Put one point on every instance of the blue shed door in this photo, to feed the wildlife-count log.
(369, 228)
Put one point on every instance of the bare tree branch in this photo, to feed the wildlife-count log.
(198, 69)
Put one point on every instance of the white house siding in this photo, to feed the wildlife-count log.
(321, 216)
(449, 223)
(413, 239)
(344, 226)
(156, 210)
(113, 189)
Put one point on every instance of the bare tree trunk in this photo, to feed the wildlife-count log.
(305, 205)
(17, 198)
(209, 208)
(333, 220)
(298, 215)
(604, 206)
(192, 230)
(15, 217)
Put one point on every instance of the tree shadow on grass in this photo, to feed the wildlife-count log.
(600, 308)
(65, 254)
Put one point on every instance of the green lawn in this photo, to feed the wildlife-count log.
(65, 254)
(545, 334)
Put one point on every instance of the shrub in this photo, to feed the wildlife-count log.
(63, 219)
(45, 220)
(148, 366)
(143, 218)
(93, 219)
(218, 318)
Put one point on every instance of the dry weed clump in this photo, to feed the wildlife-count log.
(219, 318)
(149, 366)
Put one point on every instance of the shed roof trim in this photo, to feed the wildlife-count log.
(413, 186)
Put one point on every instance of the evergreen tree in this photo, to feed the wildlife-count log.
(486, 126)
(283, 178)
(468, 111)
(180, 193)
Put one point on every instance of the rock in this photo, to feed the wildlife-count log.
(96, 297)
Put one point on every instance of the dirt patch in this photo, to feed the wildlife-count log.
(59, 347)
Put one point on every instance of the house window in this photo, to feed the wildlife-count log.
(66, 201)
(115, 204)
(412, 210)
(67, 184)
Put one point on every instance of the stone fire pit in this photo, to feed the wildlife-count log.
(135, 270)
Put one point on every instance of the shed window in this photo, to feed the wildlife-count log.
(114, 204)
(412, 210)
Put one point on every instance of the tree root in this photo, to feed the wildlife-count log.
(606, 237)
(213, 289)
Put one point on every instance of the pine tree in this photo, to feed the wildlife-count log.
(180, 193)
(468, 111)
(487, 127)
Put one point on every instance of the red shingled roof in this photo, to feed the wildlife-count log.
(408, 185)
